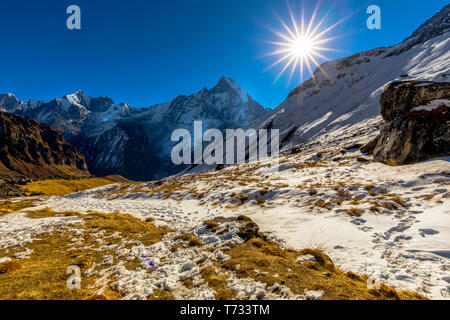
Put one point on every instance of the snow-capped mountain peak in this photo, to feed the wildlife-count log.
(78, 99)
(9, 102)
(135, 142)
(243, 94)
(228, 85)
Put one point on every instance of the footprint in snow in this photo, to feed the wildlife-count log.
(358, 221)
(427, 232)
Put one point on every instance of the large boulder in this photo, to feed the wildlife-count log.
(417, 122)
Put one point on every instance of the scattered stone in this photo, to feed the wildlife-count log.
(353, 146)
(314, 295)
(362, 160)
(188, 266)
(108, 260)
(370, 146)
(307, 257)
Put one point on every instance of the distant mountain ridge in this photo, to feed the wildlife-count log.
(134, 142)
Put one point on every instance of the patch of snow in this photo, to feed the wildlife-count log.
(432, 105)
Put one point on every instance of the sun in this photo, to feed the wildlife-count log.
(301, 47)
(301, 44)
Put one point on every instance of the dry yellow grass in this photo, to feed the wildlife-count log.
(9, 266)
(191, 239)
(308, 165)
(429, 196)
(129, 227)
(336, 201)
(355, 200)
(271, 260)
(323, 204)
(242, 197)
(259, 200)
(43, 275)
(10, 207)
(60, 187)
(353, 212)
(278, 265)
(400, 201)
(212, 225)
(217, 283)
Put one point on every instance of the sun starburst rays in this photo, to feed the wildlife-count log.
(300, 45)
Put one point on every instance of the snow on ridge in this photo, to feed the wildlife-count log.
(432, 105)
(242, 93)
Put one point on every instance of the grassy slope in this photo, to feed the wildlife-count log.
(59, 187)
(43, 274)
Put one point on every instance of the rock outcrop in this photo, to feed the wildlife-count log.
(417, 122)
(32, 150)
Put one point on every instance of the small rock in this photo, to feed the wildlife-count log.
(314, 295)
(221, 257)
(260, 294)
(188, 266)
(307, 257)
(362, 160)
(108, 260)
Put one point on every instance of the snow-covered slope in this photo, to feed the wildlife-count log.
(349, 89)
(370, 218)
(341, 105)
(120, 139)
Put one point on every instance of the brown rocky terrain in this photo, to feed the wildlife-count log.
(32, 150)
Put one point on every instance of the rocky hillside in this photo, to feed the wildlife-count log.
(36, 151)
(120, 139)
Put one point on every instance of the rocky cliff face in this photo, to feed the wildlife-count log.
(36, 151)
(417, 122)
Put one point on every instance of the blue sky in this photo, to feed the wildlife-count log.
(150, 51)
